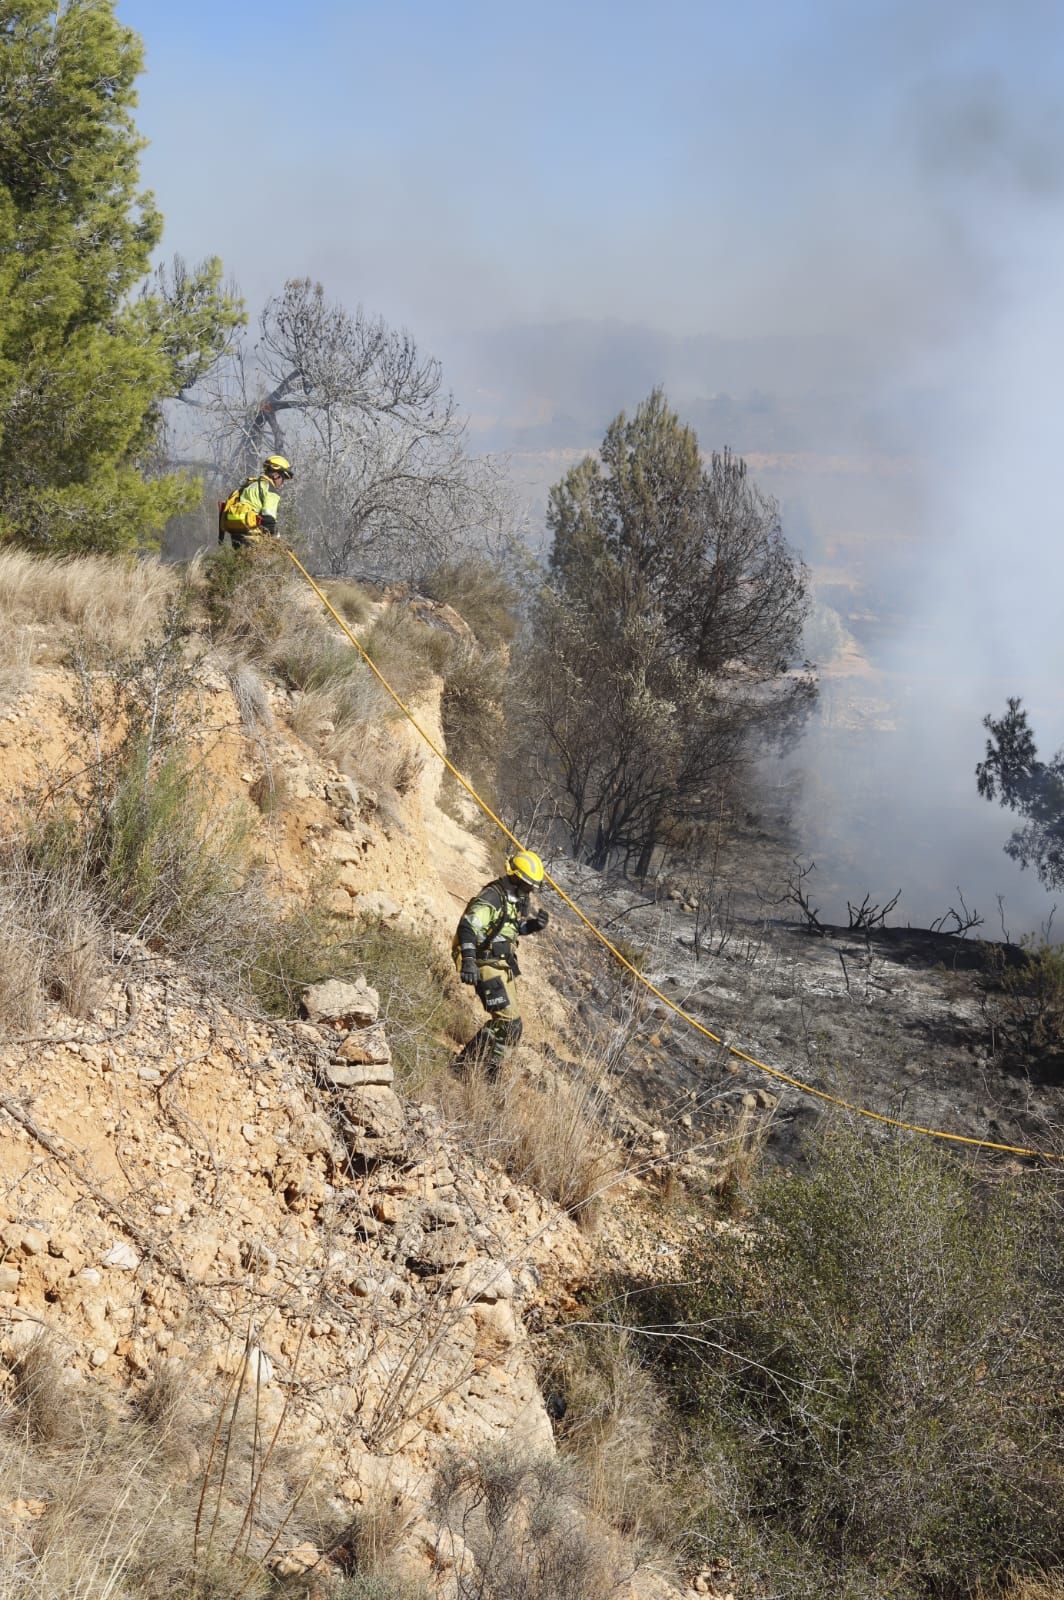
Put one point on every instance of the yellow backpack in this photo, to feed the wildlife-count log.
(235, 515)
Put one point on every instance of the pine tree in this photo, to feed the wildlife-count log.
(84, 363)
(662, 643)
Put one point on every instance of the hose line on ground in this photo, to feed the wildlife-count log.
(640, 977)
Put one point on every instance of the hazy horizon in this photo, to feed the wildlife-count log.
(834, 235)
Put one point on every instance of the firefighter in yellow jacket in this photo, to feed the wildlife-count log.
(252, 509)
(485, 953)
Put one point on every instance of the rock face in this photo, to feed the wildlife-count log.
(366, 1109)
(342, 1005)
(367, 1047)
(385, 1274)
(372, 1123)
(190, 1191)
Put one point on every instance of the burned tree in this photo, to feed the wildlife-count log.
(384, 486)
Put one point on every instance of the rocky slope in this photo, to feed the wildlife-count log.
(251, 1208)
(186, 1188)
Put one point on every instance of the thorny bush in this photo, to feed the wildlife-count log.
(874, 1364)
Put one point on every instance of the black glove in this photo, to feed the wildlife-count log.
(536, 921)
(469, 972)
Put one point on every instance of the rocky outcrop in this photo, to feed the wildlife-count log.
(172, 1172)
(368, 1112)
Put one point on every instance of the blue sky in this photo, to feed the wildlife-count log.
(697, 167)
(866, 197)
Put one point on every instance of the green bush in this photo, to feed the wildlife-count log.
(471, 712)
(1026, 1003)
(877, 1363)
(481, 592)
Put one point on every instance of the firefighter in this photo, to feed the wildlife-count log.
(485, 953)
(254, 505)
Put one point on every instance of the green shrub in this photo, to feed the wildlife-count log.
(471, 712)
(1027, 1001)
(877, 1362)
(482, 593)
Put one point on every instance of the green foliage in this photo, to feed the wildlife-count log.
(482, 593)
(876, 1362)
(1026, 1002)
(661, 644)
(1013, 774)
(83, 367)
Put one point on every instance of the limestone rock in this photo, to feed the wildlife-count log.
(352, 1005)
(295, 1562)
(373, 903)
(438, 1242)
(441, 1214)
(373, 1122)
(356, 1075)
(489, 1281)
(440, 1252)
(368, 1046)
(122, 1256)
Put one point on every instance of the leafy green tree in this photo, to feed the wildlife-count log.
(85, 364)
(663, 639)
(1013, 775)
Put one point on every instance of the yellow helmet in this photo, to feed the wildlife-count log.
(278, 464)
(526, 866)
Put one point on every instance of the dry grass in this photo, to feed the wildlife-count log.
(549, 1135)
(738, 1157)
(115, 604)
(377, 759)
(249, 692)
(368, 1543)
(519, 1516)
(99, 1501)
(1047, 1586)
(54, 943)
(265, 617)
(613, 1434)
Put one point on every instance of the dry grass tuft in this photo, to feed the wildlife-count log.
(106, 1503)
(53, 941)
(115, 604)
(42, 1401)
(367, 1544)
(548, 1135)
(738, 1158)
(249, 692)
(519, 1516)
(1047, 1586)
(612, 1433)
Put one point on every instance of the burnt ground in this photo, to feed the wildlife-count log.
(900, 1020)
